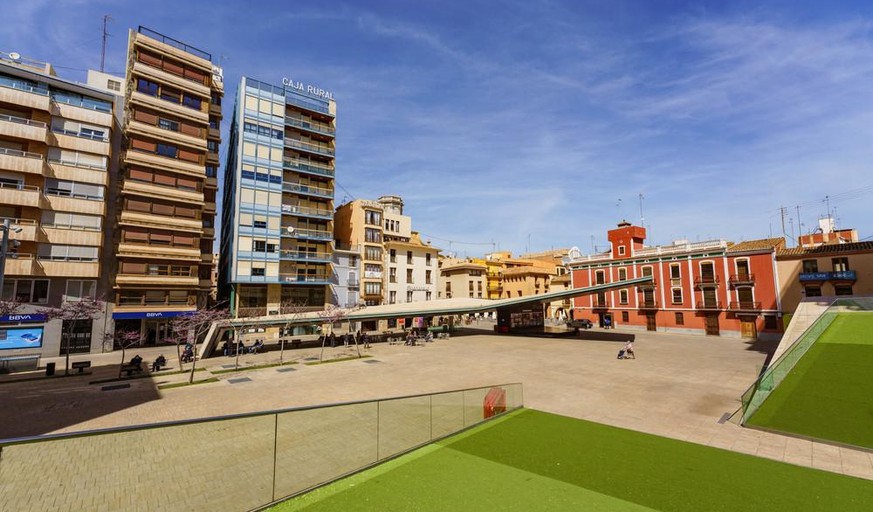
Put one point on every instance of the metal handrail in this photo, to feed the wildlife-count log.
(308, 146)
(21, 222)
(18, 186)
(306, 189)
(311, 126)
(307, 232)
(18, 152)
(22, 120)
(94, 167)
(308, 210)
(23, 86)
(80, 135)
(303, 255)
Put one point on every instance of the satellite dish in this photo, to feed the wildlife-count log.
(290, 230)
(15, 57)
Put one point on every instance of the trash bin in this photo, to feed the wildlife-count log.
(49, 369)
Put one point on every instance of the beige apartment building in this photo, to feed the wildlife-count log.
(56, 147)
(167, 184)
(462, 278)
(358, 224)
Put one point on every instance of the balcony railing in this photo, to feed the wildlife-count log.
(23, 154)
(298, 278)
(293, 100)
(174, 43)
(649, 304)
(600, 303)
(22, 120)
(307, 189)
(736, 279)
(708, 305)
(306, 125)
(308, 146)
(308, 166)
(21, 85)
(156, 301)
(307, 210)
(843, 275)
(18, 186)
(700, 281)
(307, 233)
(647, 286)
(304, 255)
(744, 306)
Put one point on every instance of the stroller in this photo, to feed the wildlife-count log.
(620, 354)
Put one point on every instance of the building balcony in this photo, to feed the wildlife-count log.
(307, 211)
(151, 131)
(19, 265)
(353, 283)
(209, 207)
(164, 163)
(744, 306)
(314, 257)
(706, 281)
(292, 99)
(143, 279)
(69, 268)
(189, 114)
(20, 195)
(648, 305)
(600, 303)
(844, 275)
(708, 305)
(161, 192)
(74, 204)
(75, 142)
(306, 234)
(309, 147)
(308, 166)
(161, 221)
(204, 283)
(648, 286)
(22, 128)
(742, 279)
(158, 252)
(128, 303)
(74, 172)
(307, 190)
(71, 236)
(317, 279)
(23, 93)
(319, 128)
(159, 75)
(80, 112)
(21, 161)
(208, 232)
(28, 233)
(207, 258)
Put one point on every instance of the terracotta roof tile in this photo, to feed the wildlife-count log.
(826, 249)
(758, 245)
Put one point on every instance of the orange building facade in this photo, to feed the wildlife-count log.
(712, 287)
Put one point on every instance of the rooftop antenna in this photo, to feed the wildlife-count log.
(642, 219)
(106, 34)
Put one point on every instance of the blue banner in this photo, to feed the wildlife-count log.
(23, 317)
(136, 315)
(20, 337)
(844, 275)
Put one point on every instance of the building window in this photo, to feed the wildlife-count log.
(427, 259)
(372, 218)
(146, 87)
(622, 274)
(770, 322)
(259, 224)
(409, 257)
(810, 266)
(675, 273)
(428, 295)
(168, 124)
(408, 296)
(258, 271)
(680, 318)
(392, 297)
(625, 316)
(76, 336)
(840, 265)
(31, 291)
(78, 290)
(842, 289)
(622, 296)
(372, 235)
(259, 246)
(113, 85)
(166, 150)
(599, 277)
(393, 256)
(677, 295)
(409, 276)
(813, 291)
(471, 288)
(427, 278)
(621, 250)
(392, 275)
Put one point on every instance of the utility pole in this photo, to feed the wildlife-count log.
(642, 219)
(828, 205)
(106, 19)
(782, 210)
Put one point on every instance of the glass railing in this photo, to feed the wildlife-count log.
(776, 372)
(306, 233)
(6, 81)
(306, 210)
(307, 189)
(23, 154)
(174, 43)
(308, 166)
(243, 462)
(22, 120)
(309, 146)
(311, 126)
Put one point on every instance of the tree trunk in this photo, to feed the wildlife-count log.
(193, 362)
(179, 354)
(121, 366)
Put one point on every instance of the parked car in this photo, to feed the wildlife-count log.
(581, 324)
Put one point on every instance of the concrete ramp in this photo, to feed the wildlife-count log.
(806, 314)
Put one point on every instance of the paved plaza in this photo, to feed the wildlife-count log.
(680, 386)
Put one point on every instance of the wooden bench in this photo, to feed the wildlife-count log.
(80, 365)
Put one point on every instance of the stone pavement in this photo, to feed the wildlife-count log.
(680, 386)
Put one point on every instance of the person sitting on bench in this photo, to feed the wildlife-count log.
(188, 355)
(258, 345)
(137, 362)
(158, 363)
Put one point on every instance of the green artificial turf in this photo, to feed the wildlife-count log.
(829, 393)
(533, 460)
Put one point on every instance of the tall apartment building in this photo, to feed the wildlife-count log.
(56, 147)
(167, 185)
(358, 224)
(277, 219)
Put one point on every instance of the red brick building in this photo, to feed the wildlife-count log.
(713, 287)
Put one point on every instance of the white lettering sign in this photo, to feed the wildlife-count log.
(308, 89)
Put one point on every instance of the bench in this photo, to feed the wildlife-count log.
(80, 365)
(130, 369)
(9, 364)
(296, 343)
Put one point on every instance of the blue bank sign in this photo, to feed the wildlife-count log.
(137, 315)
(845, 275)
(24, 317)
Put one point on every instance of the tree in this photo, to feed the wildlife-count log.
(72, 314)
(293, 310)
(332, 315)
(125, 340)
(10, 306)
(240, 325)
(191, 328)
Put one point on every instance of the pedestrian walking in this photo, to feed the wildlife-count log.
(629, 350)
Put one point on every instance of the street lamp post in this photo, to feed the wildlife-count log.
(4, 248)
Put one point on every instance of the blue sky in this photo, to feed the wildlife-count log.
(537, 124)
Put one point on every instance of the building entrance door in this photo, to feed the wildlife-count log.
(748, 328)
(650, 322)
(711, 325)
(156, 331)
